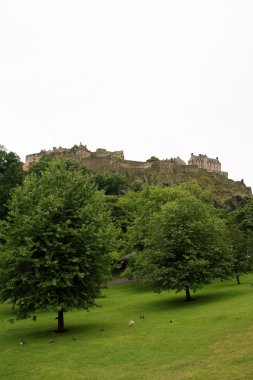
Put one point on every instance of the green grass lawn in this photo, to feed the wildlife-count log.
(209, 338)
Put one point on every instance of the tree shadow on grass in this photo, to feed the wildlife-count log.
(198, 300)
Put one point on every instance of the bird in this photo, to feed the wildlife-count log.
(131, 323)
(21, 342)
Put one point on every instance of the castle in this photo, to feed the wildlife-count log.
(204, 162)
(103, 160)
(78, 153)
(170, 171)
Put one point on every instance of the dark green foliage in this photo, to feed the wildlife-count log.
(240, 223)
(139, 208)
(137, 186)
(184, 243)
(243, 217)
(243, 251)
(11, 175)
(39, 167)
(57, 234)
(152, 159)
(236, 201)
(112, 183)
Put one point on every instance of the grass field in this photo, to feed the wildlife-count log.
(209, 338)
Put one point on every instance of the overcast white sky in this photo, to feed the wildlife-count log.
(151, 77)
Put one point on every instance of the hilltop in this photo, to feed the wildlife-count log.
(201, 169)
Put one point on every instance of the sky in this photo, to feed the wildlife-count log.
(161, 78)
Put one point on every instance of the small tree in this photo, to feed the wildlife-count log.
(186, 246)
(241, 229)
(153, 159)
(243, 251)
(56, 240)
(11, 175)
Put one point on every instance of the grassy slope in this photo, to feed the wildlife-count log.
(210, 338)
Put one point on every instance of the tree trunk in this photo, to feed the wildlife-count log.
(238, 279)
(60, 322)
(188, 294)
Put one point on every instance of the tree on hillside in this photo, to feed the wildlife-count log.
(112, 183)
(240, 223)
(186, 246)
(56, 242)
(143, 205)
(11, 175)
(39, 167)
(152, 159)
(243, 217)
(242, 251)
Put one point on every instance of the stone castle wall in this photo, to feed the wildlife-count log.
(160, 172)
(102, 161)
(76, 153)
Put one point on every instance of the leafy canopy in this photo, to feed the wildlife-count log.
(185, 245)
(240, 223)
(152, 159)
(11, 175)
(112, 183)
(57, 237)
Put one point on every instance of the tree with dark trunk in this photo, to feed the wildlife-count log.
(60, 322)
(186, 245)
(188, 294)
(55, 242)
(240, 223)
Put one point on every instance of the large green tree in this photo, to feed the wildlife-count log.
(186, 245)
(39, 167)
(56, 242)
(243, 217)
(11, 175)
(139, 207)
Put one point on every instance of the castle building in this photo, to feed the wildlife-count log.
(204, 162)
